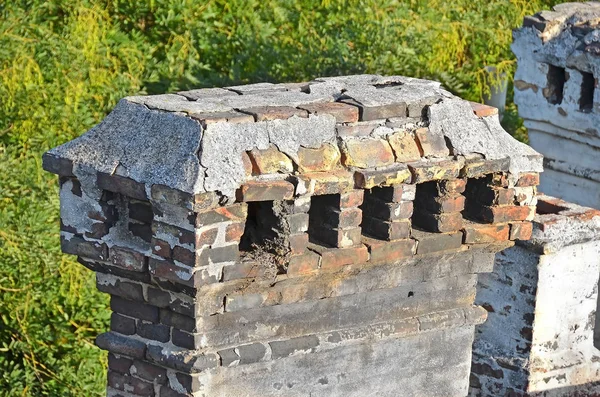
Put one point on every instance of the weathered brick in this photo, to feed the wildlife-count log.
(186, 339)
(404, 146)
(264, 113)
(285, 348)
(442, 204)
(431, 144)
(386, 230)
(440, 223)
(303, 264)
(297, 223)
(251, 353)
(157, 297)
(378, 112)
(390, 251)
(184, 255)
(325, 158)
(189, 362)
(335, 258)
(122, 324)
(355, 129)
(503, 214)
(158, 332)
(86, 249)
(352, 198)
(149, 372)
(298, 243)
(161, 248)
(228, 357)
(141, 230)
(393, 175)
(168, 392)
(484, 233)
(434, 242)
(496, 196)
(452, 186)
(168, 195)
(227, 253)
(336, 237)
(270, 161)
(434, 170)
(342, 112)
(134, 309)
(520, 230)
(177, 320)
(233, 232)
(482, 110)
(204, 201)
(235, 212)
(320, 183)
(127, 259)
(57, 165)
(207, 237)
(243, 269)
(265, 191)
(121, 287)
(367, 153)
(528, 179)
(343, 219)
(130, 384)
(190, 383)
(221, 117)
(478, 167)
(395, 193)
(120, 344)
(120, 184)
(119, 364)
(380, 209)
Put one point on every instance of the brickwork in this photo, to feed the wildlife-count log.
(298, 226)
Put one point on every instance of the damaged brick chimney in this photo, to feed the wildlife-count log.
(315, 239)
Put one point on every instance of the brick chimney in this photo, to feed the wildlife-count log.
(318, 239)
(557, 91)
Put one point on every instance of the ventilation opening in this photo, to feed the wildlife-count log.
(477, 194)
(556, 84)
(588, 84)
(261, 227)
(546, 208)
(321, 217)
(132, 225)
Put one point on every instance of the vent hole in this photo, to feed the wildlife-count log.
(588, 83)
(556, 84)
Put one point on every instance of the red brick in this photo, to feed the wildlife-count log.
(265, 191)
(528, 179)
(387, 211)
(206, 237)
(336, 237)
(303, 264)
(367, 153)
(351, 199)
(440, 223)
(221, 117)
(482, 110)
(452, 186)
(443, 204)
(234, 232)
(234, 212)
(184, 256)
(335, 258)
(505, 213)
(485, 233)
(264, 113)
(161, 248)
(521, 230)
(342, 112)
(386, 230)
(389, 251)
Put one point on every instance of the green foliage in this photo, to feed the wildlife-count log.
(65, 63)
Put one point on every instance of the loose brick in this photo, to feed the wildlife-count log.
(265, 191)
(404, 146)
(297, 223)
(228, 357)
(325, 158)
(388, 176)
(440, 223)
(248, 166)
(270, 161)
(264, 113)
(368, 153)
(378, 112)
(386, 230)
(342, 112)
(355, 129)
(431, 144)
(452, 186)
(390, 251)
(335, 258)
(528, 179)
(520, 230)
(482, 110)
(303, 264)
(434, 170)
(120, 184)
(478, 233)
(496, 196)
(134, 309)
(190, 383)
(204, 201)
(120, 344)
(189, 362)
(435, 242)
(141, 230)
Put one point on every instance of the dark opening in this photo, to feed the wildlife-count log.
(321, 216)
(478, 194)
(545, 208)
(556, 84)
(261, 226)
(588, 84)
